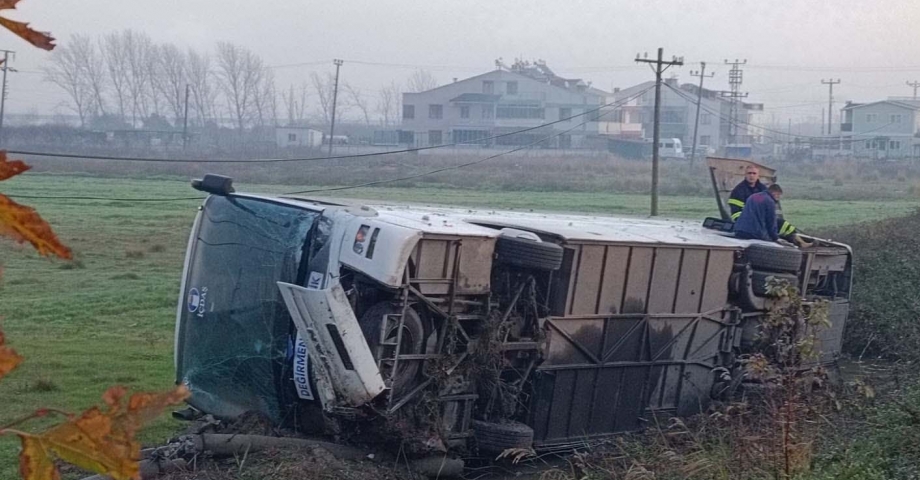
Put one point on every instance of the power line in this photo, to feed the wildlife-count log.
(916, 85)
(308, 159)
(5, 66)
(381, 182)
(699, 99)
(785, 134)
(830, 102)
(111, 199)
(735, 78)
(468, 164)
(660, 66)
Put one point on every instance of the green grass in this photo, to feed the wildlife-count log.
(107, 318)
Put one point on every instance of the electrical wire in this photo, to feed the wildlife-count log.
(463, 165)
(301, 159)
(737, 122)
(385, 181)
(111, 199)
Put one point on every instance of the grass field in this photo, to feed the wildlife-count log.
(107, 318)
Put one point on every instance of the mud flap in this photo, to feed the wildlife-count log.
(345, 371)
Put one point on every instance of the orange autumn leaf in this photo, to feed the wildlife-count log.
(101, 440)
(9, 359)
(39, 39)
(10, 168)
(23, 224)
(33, 463)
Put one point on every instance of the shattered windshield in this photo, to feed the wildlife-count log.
(234, 329)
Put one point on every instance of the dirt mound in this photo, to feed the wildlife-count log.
(289, 464)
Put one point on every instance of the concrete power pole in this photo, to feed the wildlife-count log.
(659, 67)
(699, 106)
(335, 96)
(735, 78)
(916, 85)
(5, 66)
(185, 120)
(830, 102)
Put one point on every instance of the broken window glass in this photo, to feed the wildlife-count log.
(234, 331)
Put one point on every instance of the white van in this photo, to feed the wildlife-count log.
(670, 148)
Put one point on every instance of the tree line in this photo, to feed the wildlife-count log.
(125, 79)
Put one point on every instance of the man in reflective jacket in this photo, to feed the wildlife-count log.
(758, 219)
(749, 186)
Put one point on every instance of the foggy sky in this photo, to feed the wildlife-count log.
(790, 44)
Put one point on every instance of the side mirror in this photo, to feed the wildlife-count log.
(214, 184)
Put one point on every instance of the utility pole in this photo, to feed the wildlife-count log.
(916, 85)
(699, 105)
(335, 96)
(830, 101)
(659, 67)
(185, 120)
(5, 66)
(735, 78)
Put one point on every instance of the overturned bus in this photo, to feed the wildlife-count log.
(471, 329)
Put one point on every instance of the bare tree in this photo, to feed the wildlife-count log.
(420, 81)
(202, 81)
(131, 52)
(357, 99)
(93, 71)
(66, 71)
(295, 104)
(155, 79)
(238, 70)
(388, 102)
(324, 85)
(116, 62)
(171, 78)
(265, 102)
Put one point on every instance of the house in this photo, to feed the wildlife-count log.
(633, 116)
(498, 104)
(882, 129)
(286, 137)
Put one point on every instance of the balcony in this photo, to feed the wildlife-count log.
(846, 127)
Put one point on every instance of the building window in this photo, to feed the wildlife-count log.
(670, 116)
(705, 139)
(895, 118)
(488, 86)
(407, 137)
(894, 144)
(871, 117)
(408, 112)
(511, 88)
(465, 112)
(705, 119)
(434, 137)
(471, 136)
(292, 137)
(436, 111)
(520, 111)
(565, 113)
(487, 112)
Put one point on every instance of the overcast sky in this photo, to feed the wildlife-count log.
(790, 45)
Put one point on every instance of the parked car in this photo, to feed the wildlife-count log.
(461, 328)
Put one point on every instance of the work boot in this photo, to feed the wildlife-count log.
(802, 243)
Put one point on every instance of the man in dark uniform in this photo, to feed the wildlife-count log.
(758, 219)
(749, 186)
